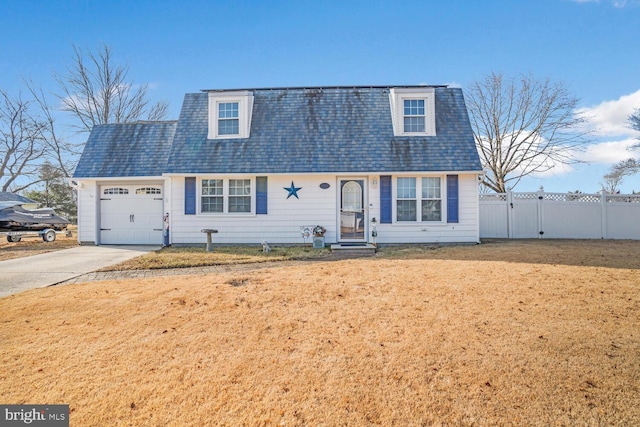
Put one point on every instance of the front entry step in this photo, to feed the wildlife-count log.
(354, 249)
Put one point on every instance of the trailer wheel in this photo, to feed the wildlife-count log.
(49, 236)
(14, 239)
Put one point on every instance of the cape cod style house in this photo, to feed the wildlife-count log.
(377, 164)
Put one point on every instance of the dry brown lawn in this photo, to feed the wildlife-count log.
(504, 333)
(35, 245)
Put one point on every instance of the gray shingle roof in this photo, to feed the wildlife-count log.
(324, 130)
(292, 131)
(126, 149)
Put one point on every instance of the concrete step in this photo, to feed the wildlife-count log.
(353, 249)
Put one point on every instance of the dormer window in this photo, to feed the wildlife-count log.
(413, 111)
(230, 114)
(228, 118)
(413, 115)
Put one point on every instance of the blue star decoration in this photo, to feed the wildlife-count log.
(293, 190)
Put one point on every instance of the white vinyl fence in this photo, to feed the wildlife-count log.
(559, 216)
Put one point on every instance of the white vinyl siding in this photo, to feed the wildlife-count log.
(465, 230)
(318, 206)
(88, 202)
(282, 223)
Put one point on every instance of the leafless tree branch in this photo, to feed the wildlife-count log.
(97, 91)
(522, 127)
(22, 141)
(634, 123)
(618, 172)
(62, 153)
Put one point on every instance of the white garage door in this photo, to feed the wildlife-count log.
(131, 214)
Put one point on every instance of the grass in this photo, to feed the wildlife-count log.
(35, 245)
(600, 252)
(506, 333)
(182, 257)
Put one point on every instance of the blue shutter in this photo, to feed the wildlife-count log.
(452, 198)
(385, 199)
(261, 195)
(190, 196)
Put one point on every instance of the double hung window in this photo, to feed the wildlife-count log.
(431, 199)
(226, 196)
(413, 111)
(212, 195)
(408, 204)
(414, 115)
(230, 114)
(239, 195)
(228, 119)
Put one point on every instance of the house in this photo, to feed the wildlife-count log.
(383, 163)
(27, 203)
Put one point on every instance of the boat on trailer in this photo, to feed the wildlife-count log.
(16, 221)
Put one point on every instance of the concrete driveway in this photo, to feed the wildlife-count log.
(17, 275)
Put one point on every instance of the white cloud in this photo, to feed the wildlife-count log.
(608, 152)
(610, 118)
(558, 169)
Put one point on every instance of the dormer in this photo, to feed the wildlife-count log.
(413, 111)
(230, 114)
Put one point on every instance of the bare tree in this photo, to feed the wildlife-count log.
(60, 152)
(22, 143)
(634, 123)
(54, 191)
(522, 127)
(618, 172)
(624, 168)
(97, 91)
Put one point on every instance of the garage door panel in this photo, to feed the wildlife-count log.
(131, 215)
(114, 220)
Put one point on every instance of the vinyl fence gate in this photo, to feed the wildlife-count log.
(544, 215)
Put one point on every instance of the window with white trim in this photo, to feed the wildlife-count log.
(212, 195)
(424, 195)
(230, 114)
(239, 195)
(413, 111)
(413, 115)
(431, 199)
(406, 199)
(226, 196)
(228, 123)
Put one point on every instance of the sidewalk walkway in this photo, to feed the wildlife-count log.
(37, 271)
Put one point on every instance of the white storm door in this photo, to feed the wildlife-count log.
(352, 214)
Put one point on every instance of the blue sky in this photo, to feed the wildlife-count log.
(184, 46)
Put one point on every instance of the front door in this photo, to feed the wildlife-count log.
(352, 213)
